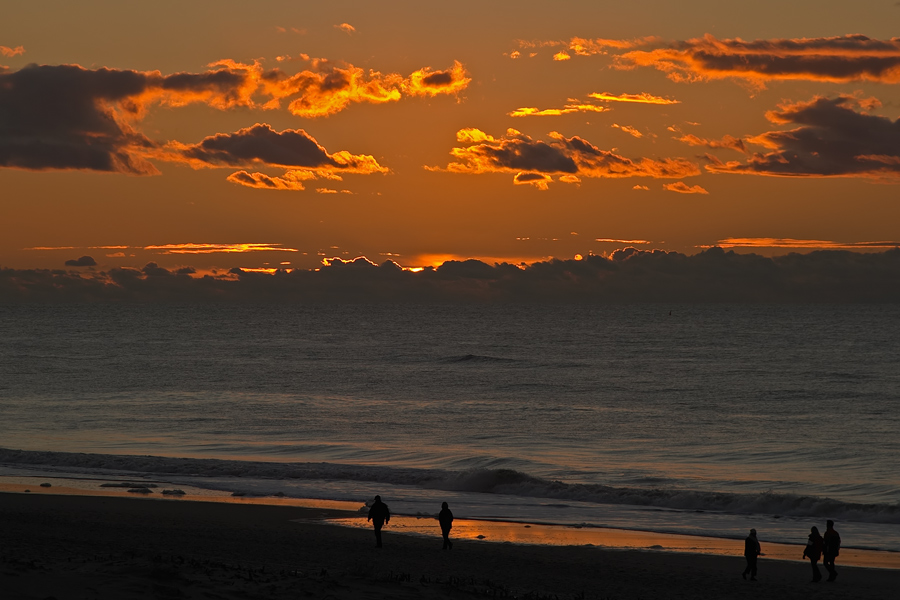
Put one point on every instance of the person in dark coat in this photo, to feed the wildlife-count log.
(813, 551)
(379, 514)
(445, 518)
(831, 545)
(751, 552)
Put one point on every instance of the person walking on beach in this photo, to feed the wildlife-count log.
(813, 551)
(445, 518)
(751, 551)
(379, 514)
(831, 546)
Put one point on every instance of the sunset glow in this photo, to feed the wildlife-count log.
(353, 132)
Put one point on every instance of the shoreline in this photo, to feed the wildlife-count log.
(109, 547)
(347, 514)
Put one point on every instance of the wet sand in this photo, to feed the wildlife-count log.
(109, 547)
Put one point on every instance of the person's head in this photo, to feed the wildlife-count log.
(829, 523)
(444, 505)
(377, 498)
(815, 530)
(753, 532)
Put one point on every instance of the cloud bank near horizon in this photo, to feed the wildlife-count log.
(626, 276)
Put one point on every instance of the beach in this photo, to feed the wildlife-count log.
(107, 547)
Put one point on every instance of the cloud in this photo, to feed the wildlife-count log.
(346, 28)
(519, 154)
(328, 89)
(617, 241)
(7, 51)
(629, 130)
(833, 140)
(642, 98)
(555, 112)
(538, 180)
(262, 145)
(559, 56)
(84, 261)
(683, 188)
(729, 142)
(585, 46)
(191, 248)
(628, 275)
(69, 117)
(426, 82)
(836, 59)
(641, 187)
(292, 180)
(802, 244)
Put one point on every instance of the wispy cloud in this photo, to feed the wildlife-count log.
(683, 188)
(346, 28)
(839, 59)
(642, 98)
(525, 157)
(729, 142)
(628, 129)
(10, 52)
(218, 248)
(575, 107)
(801, 244)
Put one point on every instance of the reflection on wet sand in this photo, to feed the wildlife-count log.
(559, 535)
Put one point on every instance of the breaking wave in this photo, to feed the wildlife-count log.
(484, 481)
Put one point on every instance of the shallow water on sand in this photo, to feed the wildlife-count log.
(786, 414)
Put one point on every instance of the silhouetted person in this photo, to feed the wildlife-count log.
(751, 552)
(445, 518)
(379, 514)
(831, 546)
(813, 551)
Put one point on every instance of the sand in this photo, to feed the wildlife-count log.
(106, 547)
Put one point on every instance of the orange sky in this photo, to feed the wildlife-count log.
(276, 134)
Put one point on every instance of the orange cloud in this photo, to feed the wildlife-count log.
(585, 46)
(530, 159)
(629, 130)
(292, 180)
(641, 187)
(618, 241)
(7, 51)
(559, 56)
(729, 142)
(642, 98)
(218, 248)
(539, 180)
(683, 188)
(838, 59)
(555, 112)
(792, 243)
(346, 28)
(426, 82)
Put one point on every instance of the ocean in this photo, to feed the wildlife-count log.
(692, 419)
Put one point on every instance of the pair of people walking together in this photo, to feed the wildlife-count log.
(380, 514)
(827, 547)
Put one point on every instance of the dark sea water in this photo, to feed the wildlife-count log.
(707, 419)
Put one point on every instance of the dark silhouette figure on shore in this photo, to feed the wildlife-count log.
(445, 518)
(813, 551)
(751, 551)
(831, 546)
(379, 514)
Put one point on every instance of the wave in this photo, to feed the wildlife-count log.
(482, 481)
(477, 358)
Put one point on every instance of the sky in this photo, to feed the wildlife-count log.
(208, 136)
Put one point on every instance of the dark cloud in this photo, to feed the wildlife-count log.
(840, 58)
(68, 117)
(84, 261)
(833, 139)
(627, 276)
(261, 145)
(567, 157)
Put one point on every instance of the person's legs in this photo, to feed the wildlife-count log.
(752, 566)
(828, 561)
(816, 574)
(447, 543)
(378, 527)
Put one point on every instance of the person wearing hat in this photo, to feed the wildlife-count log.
(751, 551)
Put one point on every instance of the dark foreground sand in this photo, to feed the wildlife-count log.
(99, 547)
